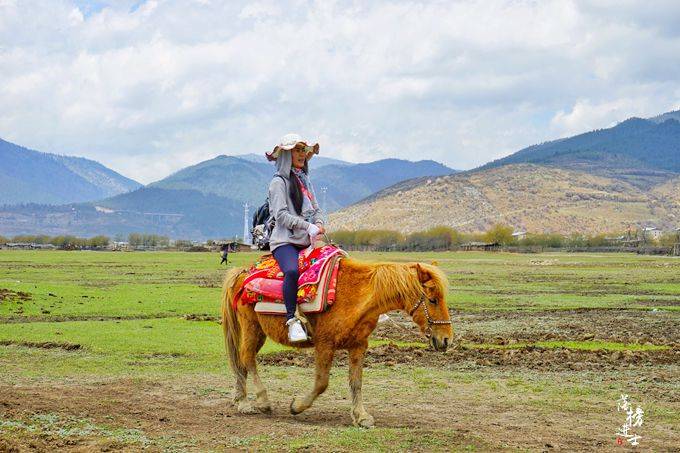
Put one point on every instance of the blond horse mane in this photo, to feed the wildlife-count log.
(392, 284)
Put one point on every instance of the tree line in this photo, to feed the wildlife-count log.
(447, 238)
(73, 242)
(436, 238)
(62, 241)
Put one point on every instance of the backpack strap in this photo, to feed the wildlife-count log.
(267, 202)
(284, 183)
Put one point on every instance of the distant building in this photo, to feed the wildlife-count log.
(120, 246)
(519, 235)
(651, 233)
(232, 246)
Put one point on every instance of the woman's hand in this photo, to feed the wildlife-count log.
(322, 230)
(313, 229)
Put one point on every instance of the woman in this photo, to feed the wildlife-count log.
(298, 218)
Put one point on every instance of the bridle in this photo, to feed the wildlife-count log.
(430, 321)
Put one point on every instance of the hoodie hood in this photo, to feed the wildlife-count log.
(284, 162)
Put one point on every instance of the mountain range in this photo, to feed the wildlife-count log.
(28, 176)
(205, 200)
(610, 179)
(626, 176)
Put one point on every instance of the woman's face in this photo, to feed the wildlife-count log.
(299, 155)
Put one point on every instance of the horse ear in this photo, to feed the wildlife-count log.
(423, 274)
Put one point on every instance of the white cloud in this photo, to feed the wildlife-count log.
(153, 86)
(585, 114)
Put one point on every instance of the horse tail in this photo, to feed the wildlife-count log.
(230, 325)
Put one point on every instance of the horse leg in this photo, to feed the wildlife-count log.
(262, 403)
(251, 343)
(241, 375)
(324, 361)
(356, 364)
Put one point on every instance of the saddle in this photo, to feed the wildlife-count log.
(318, 268)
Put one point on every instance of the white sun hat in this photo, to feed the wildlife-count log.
(288, 142)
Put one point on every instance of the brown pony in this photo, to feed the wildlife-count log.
(363, 292)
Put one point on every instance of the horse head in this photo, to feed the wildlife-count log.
(430, 311)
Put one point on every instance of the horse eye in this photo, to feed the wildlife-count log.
(433, 301)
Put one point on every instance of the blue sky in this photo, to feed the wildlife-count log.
(150, 87)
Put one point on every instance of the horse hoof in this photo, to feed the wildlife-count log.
(294, 409)
(245, 408)
(264, 408)
(365, 422)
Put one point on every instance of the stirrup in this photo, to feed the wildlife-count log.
(296, 333)
(306, 325)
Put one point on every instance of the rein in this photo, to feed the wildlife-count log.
(430, 321)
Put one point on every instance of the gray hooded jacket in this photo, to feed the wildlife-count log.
(290, 228)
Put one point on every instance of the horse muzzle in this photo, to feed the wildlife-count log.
(439, 345)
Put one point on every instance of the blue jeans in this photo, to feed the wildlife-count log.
(287, 257)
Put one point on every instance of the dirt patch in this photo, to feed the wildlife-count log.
(205, 282)
(8, 295)
(42, 344)
(56, 318)
(164, 355)
(195, 317)
(209, 280)
(186, 415)
(505, 327)
(7, 446)
(658, 302)
(533, 358)
(197, 413)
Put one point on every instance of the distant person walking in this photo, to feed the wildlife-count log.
(224, 253)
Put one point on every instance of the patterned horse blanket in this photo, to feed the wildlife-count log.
(316, 285)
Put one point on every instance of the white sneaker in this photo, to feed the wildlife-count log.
(295, 331)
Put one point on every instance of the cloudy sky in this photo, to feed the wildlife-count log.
(148, 87)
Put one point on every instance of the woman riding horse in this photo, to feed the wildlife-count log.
(298, 218)
(363, 292)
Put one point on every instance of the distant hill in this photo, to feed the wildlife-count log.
(349, 184)
(247, 180)
(526, 196)
(226, 176)
(28, 176)
(186, 214)
(604, 180)
(203, 200)
(641, 152)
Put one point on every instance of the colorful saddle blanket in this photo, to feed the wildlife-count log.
(316, 285)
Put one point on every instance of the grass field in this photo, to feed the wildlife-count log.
(124, 351)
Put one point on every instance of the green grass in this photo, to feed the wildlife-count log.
(82, 285)
(131, 326)
(118, 347)
(125, 309)
(81, 430)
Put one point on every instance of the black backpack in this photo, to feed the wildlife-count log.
(263, 224)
